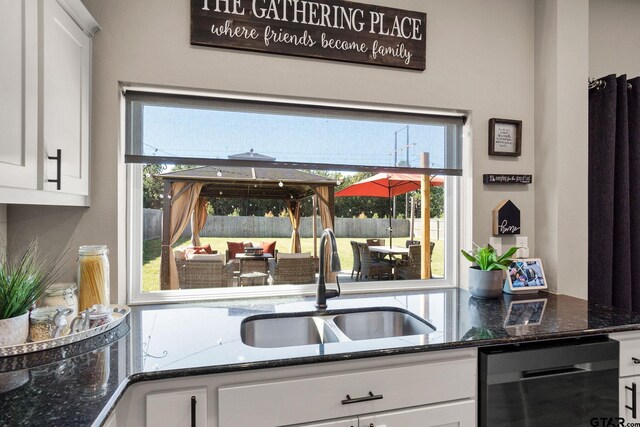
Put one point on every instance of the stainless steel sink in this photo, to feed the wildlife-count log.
(366, 325)
(272, 331)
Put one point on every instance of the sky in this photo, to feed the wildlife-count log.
(192, 132)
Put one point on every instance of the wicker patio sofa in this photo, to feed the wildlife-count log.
(205, 272)
(294, 269)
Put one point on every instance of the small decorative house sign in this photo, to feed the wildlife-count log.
(506, 218)
(328, 29)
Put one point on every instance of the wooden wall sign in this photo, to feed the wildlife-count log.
(506, 218)
(327, 29)
(492, 178)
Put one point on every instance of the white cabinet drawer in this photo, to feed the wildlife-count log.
(629, 351)
(307, 399)
(454, 414)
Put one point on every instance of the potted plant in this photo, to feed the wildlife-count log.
(486, 277)
(22, 282)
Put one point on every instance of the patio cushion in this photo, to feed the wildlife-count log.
(206, 248)
(269, 247)
(206, 257)
(284, 255)
(179, 254)
(235, 248)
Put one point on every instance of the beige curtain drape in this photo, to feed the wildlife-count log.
(198, 220)
(184, 197)
(326, 206)
(294, 215)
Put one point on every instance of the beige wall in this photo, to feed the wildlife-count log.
(480, 58)
(3, 229)
(614, 37)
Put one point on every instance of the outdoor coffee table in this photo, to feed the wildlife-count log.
(254, 278)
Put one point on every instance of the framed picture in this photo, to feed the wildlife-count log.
(505, 137)
(525, 312)
(525, 276)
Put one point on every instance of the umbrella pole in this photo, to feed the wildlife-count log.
(390, 215)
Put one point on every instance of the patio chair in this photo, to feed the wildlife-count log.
(375, 242)
(204, 272)
(370, 266)
(356, 260)
(410, 268)
(411, 242)
(294, 269)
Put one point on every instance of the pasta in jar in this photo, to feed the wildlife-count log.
(93, 276)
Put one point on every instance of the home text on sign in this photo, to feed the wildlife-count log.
(326, 29)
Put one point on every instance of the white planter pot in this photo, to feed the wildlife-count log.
(15, 330)
(485, 284)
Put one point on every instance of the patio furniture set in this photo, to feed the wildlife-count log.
(251, 267)
(374, 259)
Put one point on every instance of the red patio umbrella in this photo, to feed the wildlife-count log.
(387, 185)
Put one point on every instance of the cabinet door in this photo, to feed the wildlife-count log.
(179, 408)
(66, 62)
(18, 93)
(629, 391)
(458, 414)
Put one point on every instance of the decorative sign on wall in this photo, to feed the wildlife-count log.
(505, 137)
(506, 218)
(492, 178)
(327, 29)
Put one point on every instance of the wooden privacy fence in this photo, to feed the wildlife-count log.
(259, 226)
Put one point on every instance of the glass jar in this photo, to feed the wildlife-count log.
(41, 323)
(93, 276)
(62, 295)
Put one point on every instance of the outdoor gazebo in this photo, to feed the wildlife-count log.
(186, 194)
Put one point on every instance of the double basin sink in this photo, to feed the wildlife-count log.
(322, 327)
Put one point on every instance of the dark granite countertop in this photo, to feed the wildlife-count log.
(79, 384)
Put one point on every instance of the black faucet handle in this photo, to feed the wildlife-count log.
(332, 293)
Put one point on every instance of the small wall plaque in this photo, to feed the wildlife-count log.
(506, 218)
(505, 137)
(492, 178)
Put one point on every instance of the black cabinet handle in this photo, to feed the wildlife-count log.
(633, 406)
(371, 396)
(58, 159)
(193, 411)
(635, 360)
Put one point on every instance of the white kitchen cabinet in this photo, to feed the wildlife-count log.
(429, 389)
(66, 78)
(46, 75)
(177, 408)
(19, 94)
(629, 371)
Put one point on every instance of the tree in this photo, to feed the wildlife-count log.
(152, 187)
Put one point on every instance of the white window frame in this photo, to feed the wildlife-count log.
(134, 237)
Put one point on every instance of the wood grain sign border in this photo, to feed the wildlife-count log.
(326, 29)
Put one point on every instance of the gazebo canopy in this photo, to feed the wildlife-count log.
(250, 182)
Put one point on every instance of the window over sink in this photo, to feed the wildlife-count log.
(225, 191)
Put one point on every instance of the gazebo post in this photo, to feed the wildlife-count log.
(166, 237)
(314, 225)
(426, 219)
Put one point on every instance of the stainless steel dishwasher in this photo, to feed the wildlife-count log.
(552, 383)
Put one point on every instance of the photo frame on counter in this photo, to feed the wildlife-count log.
(525, 312)
(505, 137)
(524, 276)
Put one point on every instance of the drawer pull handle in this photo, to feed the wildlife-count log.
(633, 406)
(58, 159)
(635, 360)
(371, 396)
(193, 411)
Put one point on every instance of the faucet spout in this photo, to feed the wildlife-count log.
(322, 293)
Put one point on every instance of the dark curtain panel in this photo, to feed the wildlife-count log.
(614, 192)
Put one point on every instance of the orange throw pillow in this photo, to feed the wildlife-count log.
(206, 248)
(269, 247)
(235, 248)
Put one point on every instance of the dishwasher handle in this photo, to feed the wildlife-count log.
(562, 370)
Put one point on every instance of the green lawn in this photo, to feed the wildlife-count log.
(151, 254)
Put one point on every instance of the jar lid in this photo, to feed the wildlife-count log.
(93, 250)
(60, 289)
(44, 314)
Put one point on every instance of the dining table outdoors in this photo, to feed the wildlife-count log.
(382, 252)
